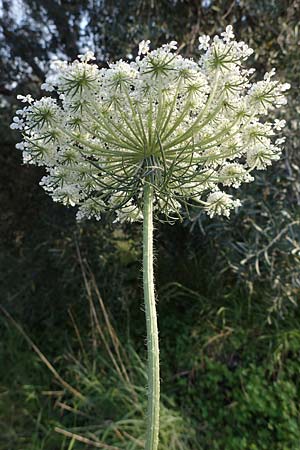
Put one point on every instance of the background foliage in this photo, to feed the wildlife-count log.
(228, 290)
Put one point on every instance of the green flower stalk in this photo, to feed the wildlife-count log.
(151, 321)
(150, 137)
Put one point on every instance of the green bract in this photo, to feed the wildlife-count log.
(190, 128)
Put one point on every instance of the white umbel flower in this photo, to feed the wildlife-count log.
(190, 128)
(219, 204)
(261, 157)
(234, 175)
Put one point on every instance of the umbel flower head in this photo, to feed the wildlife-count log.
(191, 128)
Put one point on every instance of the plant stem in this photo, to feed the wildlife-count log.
(151, 320)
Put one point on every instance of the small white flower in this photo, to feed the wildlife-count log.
(170, 46)
(25, 98)
(203, 42)
(285, 87)
(245, 50)
(21, 145)
(47, 87)
(144, 47)
(88, 56)
(280, 141)
(279, 124)
(228, 34)
(269, 75)
(17, 124)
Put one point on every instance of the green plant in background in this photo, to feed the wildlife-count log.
(104, 405)
(153, 137)
(236, 375)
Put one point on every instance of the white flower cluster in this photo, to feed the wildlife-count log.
(190, 128)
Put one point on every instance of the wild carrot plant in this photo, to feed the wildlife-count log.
(149, 138)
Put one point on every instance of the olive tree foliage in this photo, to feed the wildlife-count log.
(36, 31)
(262, 242)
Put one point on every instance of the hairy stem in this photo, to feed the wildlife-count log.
(151, 320)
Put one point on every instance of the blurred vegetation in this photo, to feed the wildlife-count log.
(228, 290)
